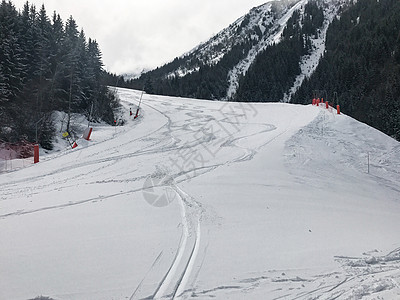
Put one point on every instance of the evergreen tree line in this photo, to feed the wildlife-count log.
(46, 65)
(361, 66)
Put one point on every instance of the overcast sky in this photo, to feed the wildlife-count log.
(137, 34)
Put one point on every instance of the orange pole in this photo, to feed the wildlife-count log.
(327, 105)
(35, 154)
(338, 109)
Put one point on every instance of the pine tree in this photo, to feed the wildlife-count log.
(56, 93)
(10, 53)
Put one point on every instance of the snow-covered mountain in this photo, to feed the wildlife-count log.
(263, 25)
(237, 46)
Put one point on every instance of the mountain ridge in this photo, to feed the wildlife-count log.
(262, 27)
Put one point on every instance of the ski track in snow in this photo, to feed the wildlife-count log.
(175, 280)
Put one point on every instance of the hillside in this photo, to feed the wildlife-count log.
(203, 199)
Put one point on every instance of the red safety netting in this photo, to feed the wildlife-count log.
(22, 149)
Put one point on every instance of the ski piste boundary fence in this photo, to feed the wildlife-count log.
(14, 156)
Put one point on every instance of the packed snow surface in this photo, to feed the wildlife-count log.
(200, 199)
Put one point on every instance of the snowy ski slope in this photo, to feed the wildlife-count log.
(200, 199)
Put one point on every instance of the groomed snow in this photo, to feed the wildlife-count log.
(201, 199)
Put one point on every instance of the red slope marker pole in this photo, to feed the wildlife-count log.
(35, 154)
(87, 133)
